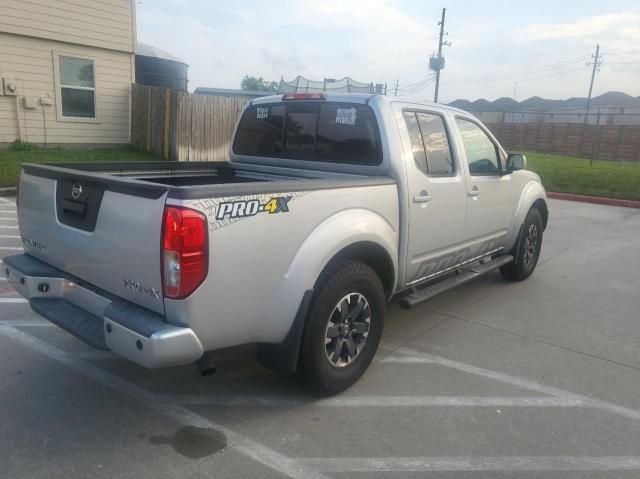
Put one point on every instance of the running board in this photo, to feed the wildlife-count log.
(420, 294)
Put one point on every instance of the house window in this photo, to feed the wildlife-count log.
(77, 87)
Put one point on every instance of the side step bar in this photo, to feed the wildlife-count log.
(420, 294)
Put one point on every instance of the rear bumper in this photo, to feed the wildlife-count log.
(100, 320)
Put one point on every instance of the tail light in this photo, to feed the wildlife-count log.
(184, 251)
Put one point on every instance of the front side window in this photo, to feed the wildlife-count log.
(482, 153)
(311, 131)
(77, 87)
(429, 143)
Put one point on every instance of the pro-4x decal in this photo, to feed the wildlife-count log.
(225, 211)
(244, 208)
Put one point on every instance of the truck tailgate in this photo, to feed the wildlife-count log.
(108, 239)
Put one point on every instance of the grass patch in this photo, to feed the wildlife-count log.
(11, 160)
(565, 174)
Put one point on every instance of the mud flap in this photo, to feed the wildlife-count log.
(283, 357)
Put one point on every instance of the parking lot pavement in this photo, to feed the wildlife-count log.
(491, 380)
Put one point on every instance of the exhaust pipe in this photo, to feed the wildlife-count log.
(205, 365)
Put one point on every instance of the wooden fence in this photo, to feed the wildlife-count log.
(183, 126)
(604, 142)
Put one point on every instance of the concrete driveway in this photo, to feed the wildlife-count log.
(492, 380)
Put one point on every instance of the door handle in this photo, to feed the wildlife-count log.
(474, 192)
(422, 197)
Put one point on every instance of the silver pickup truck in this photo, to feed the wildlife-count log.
(331, 205)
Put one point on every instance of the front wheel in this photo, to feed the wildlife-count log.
(343, 327)
(527, 248)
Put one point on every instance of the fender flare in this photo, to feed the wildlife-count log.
(533, 195)
(328, 240)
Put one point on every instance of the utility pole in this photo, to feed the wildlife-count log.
(396, 92)
(596, 67)
(515, 90)
(437, 63)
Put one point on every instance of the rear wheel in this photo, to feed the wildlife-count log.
(343, 327)
(527, 249)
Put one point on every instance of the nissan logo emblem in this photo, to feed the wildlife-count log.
(76, 190)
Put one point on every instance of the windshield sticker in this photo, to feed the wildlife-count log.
(262, 113)
(346, 116)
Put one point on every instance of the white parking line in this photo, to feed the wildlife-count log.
(6, 201)
(10, 236)
(438, 464)
(406, 355)
(12, 218)
(13, 300)
(12, 248)
(377, 401)
(27, 323)
(8, 227)
(244, 445)
(97, 354)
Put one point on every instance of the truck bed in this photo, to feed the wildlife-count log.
(113, 213)
(192, 180)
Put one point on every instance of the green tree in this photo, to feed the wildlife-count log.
(258, 83)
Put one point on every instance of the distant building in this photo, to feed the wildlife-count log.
(66, 70)
(232, 92)
(615, 108)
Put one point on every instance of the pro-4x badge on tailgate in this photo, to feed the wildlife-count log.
(244, 208)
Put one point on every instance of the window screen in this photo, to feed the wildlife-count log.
(482, 154)
(77, 87)
(429, 143)
(313, 131)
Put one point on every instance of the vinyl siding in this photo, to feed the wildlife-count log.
(30, 62)
(99, 23)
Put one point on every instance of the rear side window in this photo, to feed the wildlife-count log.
(429, 142)
(417, 146)
(312, 131)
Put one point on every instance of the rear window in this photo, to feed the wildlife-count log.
(312, 131)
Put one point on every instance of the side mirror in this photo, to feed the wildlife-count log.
(516, 161)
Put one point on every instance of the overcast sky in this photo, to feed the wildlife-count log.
(542, 45)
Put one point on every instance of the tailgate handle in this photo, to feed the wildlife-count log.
(75, 207)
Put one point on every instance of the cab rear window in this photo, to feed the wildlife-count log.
(311, 131)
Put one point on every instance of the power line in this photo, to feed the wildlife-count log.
(418, 89)
(418, 85)
(498, 82)
(624, 63)
(538, 56)
(526, 72)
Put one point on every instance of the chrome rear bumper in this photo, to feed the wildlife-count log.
(101, 321)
